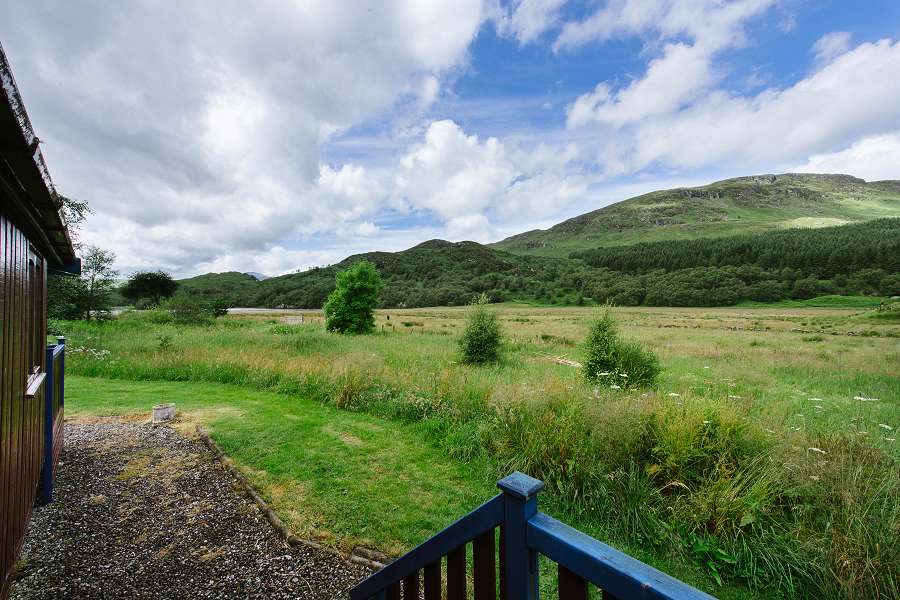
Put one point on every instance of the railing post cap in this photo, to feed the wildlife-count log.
(520, 485)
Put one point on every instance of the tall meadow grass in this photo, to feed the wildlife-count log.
(704, 475)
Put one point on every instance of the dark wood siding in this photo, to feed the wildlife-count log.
(23, 335)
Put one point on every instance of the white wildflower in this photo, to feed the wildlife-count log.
(817, 450)
(615, 387)
(674, 395)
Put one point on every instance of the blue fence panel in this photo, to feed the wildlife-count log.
(54, 399)
(525, 534)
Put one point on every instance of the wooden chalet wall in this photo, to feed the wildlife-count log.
(23, 334)
(33, 239)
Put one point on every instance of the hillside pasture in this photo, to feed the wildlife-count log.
(766, 458)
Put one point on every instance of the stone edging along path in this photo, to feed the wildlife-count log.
(359, 555)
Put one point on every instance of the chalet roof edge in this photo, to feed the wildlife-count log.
(20, 149)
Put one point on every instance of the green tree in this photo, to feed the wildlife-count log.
(350, 308)
(482, 337)
(153, 285)
(74, 213)
(66, 292)
(98, 278)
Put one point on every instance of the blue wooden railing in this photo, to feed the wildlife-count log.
(524, 534)
(54, 400)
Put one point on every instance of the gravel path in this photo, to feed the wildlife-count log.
(142, 512)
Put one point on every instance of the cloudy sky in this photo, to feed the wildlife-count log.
(276, 135)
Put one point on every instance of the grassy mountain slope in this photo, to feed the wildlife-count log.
(232, 286)
(854, 259)
(734, 206)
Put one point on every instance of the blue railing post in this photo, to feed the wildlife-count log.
(61, 341)
(47, 468)
(519, 505)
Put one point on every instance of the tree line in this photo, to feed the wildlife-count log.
(858, 259)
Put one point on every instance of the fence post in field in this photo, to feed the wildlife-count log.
(47, 467)
(520, 562)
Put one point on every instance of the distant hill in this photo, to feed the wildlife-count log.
(742, 205)
(256, 276)
(232, 286)
(432, 273)
(857, 259)
(779, 237)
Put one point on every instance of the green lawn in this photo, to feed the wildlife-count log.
(343, 477)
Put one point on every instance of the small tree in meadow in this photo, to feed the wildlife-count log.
(350, 308)
(152, 285)
(610, 360)
(481, 339)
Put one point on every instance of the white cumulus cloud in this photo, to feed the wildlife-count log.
(873, 158)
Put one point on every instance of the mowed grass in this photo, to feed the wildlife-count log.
(766, 457)
(339, 477)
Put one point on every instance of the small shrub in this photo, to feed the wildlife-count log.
(164, 341)
(218, 308)
(610, 360)
(159, 316)
(557, 339)
(188, 310)
(481, 339)
(55, 327)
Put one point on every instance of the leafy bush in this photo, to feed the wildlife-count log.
(157, 316)
(188, 310)
(218, 308)
(350, 308)
(611, 360)
(55, 327)
(481, 339)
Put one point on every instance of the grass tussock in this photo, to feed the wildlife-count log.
(741, 474)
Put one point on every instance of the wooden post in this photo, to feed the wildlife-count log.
(519, 505)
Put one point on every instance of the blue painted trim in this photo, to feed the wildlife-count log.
(611, 570)
(47, 467)
(484, 518)
(519, 505)
(520, 485)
